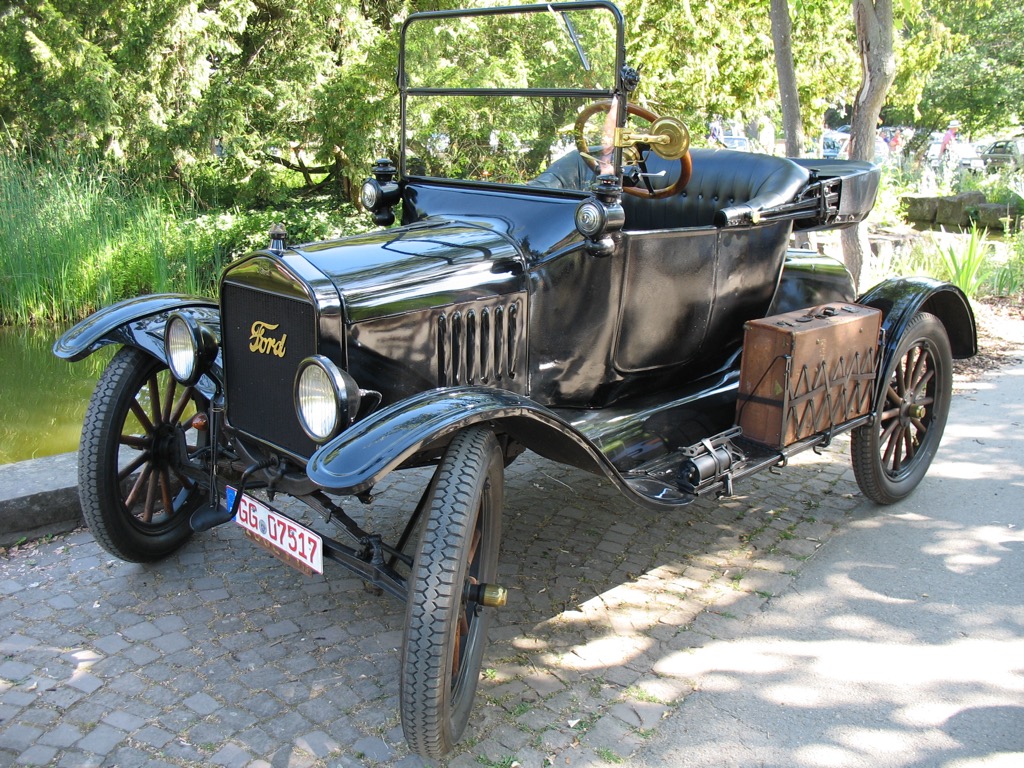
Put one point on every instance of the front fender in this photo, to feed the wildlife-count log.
(361, 455)
(138, 322)
(371, 448)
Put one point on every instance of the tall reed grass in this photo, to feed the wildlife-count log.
(76, 236)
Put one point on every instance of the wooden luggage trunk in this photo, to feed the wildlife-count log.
(803, 372)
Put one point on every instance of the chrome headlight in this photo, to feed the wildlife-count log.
(601, 213)
(591, 218)
(326, 398)
(371, 194)
(189, 347)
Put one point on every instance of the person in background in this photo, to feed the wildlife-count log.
(949, 137)
(896, 141)
(716, 133)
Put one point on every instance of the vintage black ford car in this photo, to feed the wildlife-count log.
(568, 277)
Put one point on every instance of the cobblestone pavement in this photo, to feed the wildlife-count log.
(221, 655)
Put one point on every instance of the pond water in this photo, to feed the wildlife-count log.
(42, 398)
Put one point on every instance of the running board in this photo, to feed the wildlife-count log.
(713, 465)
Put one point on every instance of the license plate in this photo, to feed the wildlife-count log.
(293, 543)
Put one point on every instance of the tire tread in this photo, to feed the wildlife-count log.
(427, 713)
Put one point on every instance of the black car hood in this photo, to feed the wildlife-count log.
(439, 260)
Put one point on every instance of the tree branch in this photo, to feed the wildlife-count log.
(298, 168)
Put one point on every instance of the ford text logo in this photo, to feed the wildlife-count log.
(266, 345)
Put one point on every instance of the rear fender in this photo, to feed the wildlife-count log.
(363, 454)
(139, 322)
(901, 298)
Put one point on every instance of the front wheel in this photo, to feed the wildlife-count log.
(138, 427)
(446, 622)
(892, 455)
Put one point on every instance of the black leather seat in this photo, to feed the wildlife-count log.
(723, 186)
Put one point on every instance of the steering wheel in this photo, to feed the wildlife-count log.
(676, 133)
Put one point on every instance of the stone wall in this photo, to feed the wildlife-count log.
(960, 211)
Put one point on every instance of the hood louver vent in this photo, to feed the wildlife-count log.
(478, 346)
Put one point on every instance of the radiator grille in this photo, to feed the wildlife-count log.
(265, 337)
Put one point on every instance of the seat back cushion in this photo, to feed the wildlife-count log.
(721, 178)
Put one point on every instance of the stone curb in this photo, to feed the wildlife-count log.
(39, 497)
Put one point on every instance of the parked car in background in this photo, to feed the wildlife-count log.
(833, 144)
(836, 146)
(959, 155)
(1005, 153)
(739, 143)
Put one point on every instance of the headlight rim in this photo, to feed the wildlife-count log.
(373, 200)
(345, 394)
(600, 218)
(203, 347)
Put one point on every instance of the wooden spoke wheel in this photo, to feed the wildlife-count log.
(135, 498)
(891, 456)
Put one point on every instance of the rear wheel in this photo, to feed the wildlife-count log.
(446, 624)
(135, 498)
(892, 455)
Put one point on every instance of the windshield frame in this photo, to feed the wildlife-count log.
(618, 95)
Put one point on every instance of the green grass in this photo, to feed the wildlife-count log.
(66, 235)
(76, 235)
(979, 264)
(967, 264)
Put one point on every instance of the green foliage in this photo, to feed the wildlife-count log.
(923, 258)
(1008, 279)
(75, 237)
(981, 80)
(1015, 183)
(971, 260)
(702, 58)
(64, 224)
(154, 84)
(967, 266)
(924, 41)
(893, 185)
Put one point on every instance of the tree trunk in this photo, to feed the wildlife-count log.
(782, 31)
(873, 20)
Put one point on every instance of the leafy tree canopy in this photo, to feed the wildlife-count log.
(981, 81)
(715, 57)
(158, 82)
(164, 84)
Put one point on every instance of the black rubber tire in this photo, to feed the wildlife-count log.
(134, 501)
(445, 633)
(891, 456)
